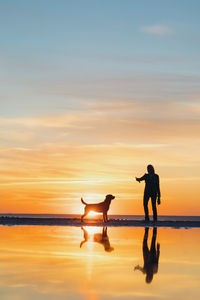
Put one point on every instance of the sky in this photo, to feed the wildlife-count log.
(93, 91)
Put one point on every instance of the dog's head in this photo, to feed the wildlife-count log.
(109, 197)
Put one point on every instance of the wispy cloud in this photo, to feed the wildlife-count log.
(51, 160)
(134, 123)
(157, 30)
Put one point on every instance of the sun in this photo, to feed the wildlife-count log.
(92, 214)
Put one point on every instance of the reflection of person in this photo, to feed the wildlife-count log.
(101, 238)
(151, 257)
(152, 190)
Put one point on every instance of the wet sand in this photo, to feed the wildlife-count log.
(66, 262)
(11, 221)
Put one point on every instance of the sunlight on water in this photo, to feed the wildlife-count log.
(91, 230)
(95, 263)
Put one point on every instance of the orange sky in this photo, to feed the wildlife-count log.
(92, 97)
(59, 158)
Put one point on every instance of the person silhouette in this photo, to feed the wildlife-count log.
(152, 190)
(151, 257)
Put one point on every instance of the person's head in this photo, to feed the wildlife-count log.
(149, 277)
(150, 169)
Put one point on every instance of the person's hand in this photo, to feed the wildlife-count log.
(136, 267)
(158, 201)
(137, 179)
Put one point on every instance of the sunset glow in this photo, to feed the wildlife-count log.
(92, 93)
(99, 150)
(55, 264)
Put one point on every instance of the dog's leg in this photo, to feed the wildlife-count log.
(85, 235)
(104, 232)
(104, 217)
(84, 215)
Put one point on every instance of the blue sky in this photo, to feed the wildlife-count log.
(71, 44)
(97, 26)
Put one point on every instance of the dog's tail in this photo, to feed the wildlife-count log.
(83, 201)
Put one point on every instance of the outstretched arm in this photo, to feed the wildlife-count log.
(139, 268)
(140, 178)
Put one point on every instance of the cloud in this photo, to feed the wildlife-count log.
(157, 30)
(47, 121)
(107, 122)
(99, 149)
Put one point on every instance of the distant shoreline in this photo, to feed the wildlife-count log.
(22, 221)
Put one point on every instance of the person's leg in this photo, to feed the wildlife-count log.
(153, 240)
(145, 246)
(154, 254)
(153, 201)
(146, 233)
(145, 203)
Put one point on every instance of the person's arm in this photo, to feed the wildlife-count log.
(140, 178)
(139, 268)
(158, 188)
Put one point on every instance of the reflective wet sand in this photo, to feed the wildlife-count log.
(43, 262)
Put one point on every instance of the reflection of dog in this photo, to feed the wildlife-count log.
(101, 238)
(85, 235)
(98, 207)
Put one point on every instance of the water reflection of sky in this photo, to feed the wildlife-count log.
(41, 262)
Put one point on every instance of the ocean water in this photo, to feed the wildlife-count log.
(120, 217)
(95, 263)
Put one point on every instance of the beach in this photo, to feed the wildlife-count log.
(99, 151)
(8, 220)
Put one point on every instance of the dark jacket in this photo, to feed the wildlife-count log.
(152, 186)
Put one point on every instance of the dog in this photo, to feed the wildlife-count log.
(103, 239)
(101, 207)
(100, 238)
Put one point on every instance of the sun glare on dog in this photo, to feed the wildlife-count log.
(92, 214)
